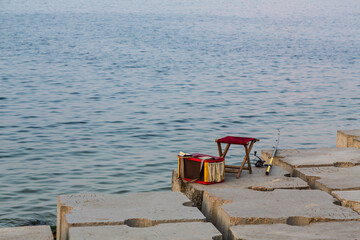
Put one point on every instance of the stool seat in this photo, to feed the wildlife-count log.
(244, 141)
(235, 140)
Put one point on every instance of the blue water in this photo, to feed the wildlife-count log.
(100, 96)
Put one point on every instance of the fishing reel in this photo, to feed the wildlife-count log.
(260, 162)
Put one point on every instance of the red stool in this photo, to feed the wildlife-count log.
(246, 142)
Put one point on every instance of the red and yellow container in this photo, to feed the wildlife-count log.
(201, 168)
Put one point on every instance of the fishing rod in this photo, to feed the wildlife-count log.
(274, 153)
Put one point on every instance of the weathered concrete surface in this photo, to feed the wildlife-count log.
(348, 138)
(349, 199)
(26, 233)
(325, 231)
(331, 179)
(226, 208)
(135, 210)
(289, 159)
(166, 231)
(278, 179)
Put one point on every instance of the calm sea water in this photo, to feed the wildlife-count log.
(100, 96)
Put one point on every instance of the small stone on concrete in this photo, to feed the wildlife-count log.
(326, 231)
(26, 233)
(136, 210)
(348, 138)
(349, 199)
(166, 231)
(331, 179)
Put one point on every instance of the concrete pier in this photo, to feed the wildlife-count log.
(286, 204)
(349, 199)
(166, 231)
(276, 198)
(330, 179)
(26, 233)
(348, 138)
(279, 179)
(290, 159)
(296, 207)
(136, 210)
(314, 231)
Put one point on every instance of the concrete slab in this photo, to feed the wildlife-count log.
(296, 207)
(331, 179)
(166, 231)
(26, 233)
(289, 159)
(279, 179)
(325, 231)
(349, 199)
(135, 210)
(348, 138)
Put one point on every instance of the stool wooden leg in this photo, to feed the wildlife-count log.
(226, 150)
(221, 153)
(248, 155)
(219, 148)
(246, 160)
(224, 155)
(241, 167)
